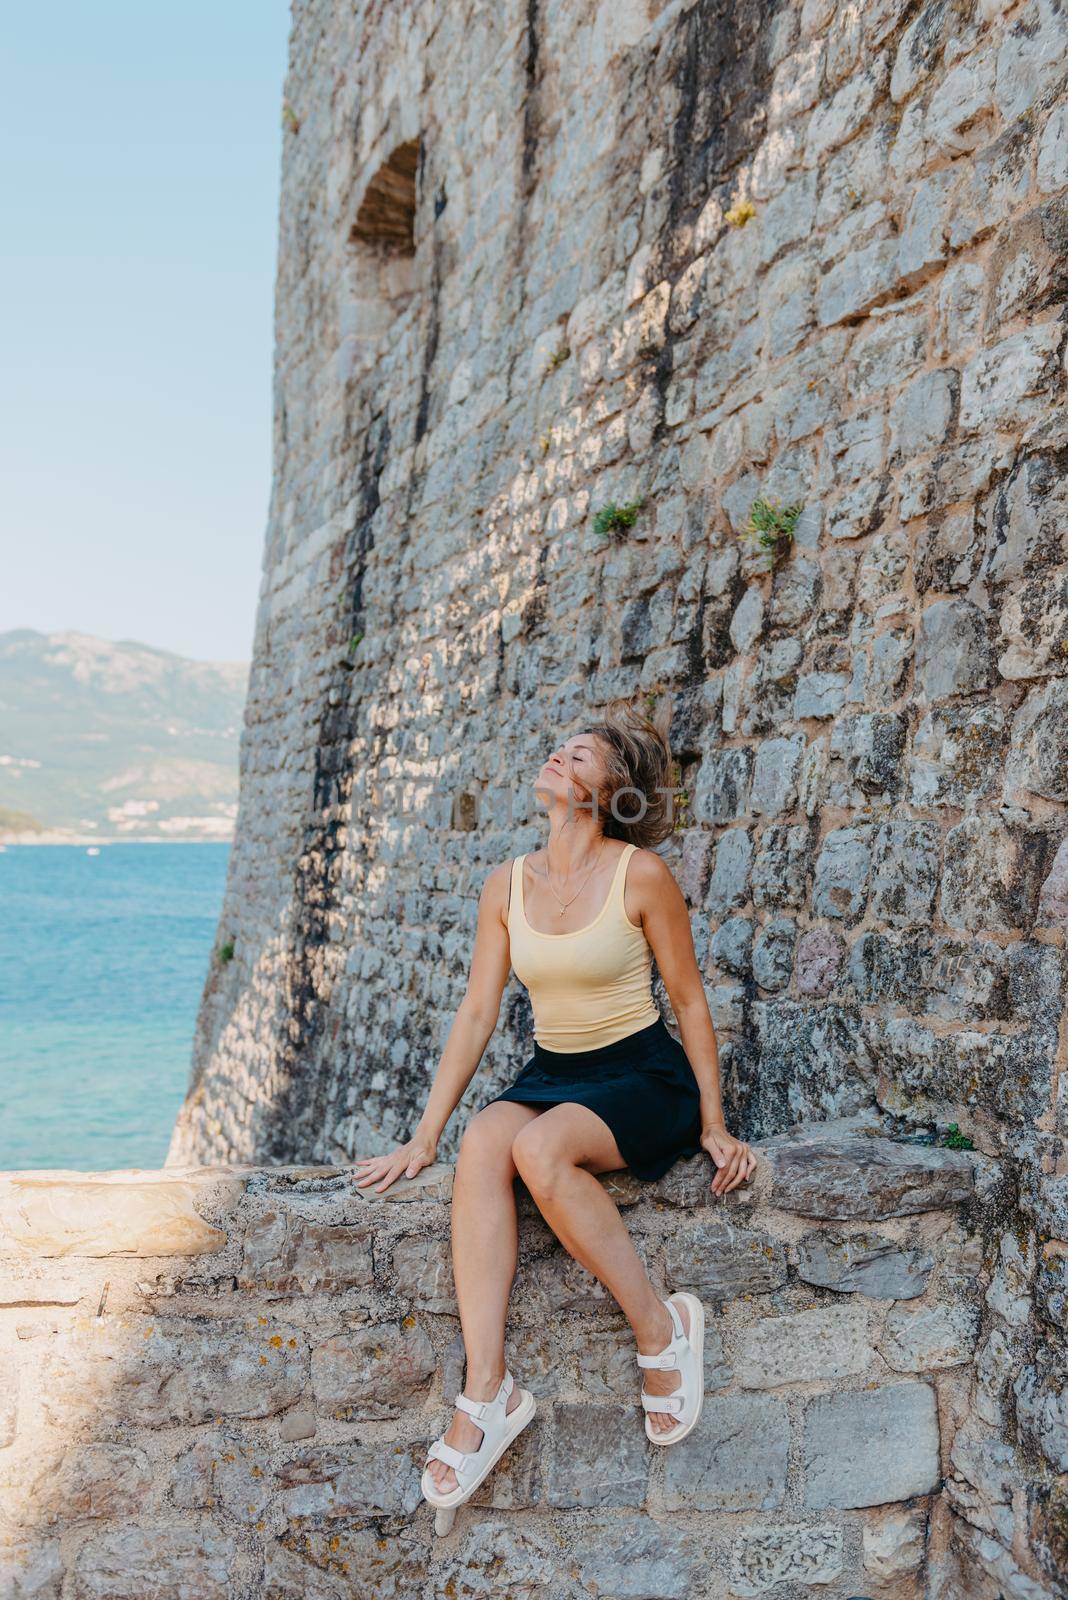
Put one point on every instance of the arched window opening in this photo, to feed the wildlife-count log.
(387, 213)
(381, 270)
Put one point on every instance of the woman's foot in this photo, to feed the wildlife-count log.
(464, 1433)
(662, 1380)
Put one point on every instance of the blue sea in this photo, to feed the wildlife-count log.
(102, 963)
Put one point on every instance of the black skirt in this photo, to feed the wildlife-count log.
(642, 1086)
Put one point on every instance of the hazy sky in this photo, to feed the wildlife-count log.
(139, 161)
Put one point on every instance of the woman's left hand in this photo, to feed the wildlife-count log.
(732, 1156)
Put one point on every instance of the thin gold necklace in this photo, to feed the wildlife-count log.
(562, 903)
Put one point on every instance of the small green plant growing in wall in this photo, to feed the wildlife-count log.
(955, 1140)
(290, 120)
(770, 527)
(225, 953)
(559, 356)
(354, 641)
(615, 518)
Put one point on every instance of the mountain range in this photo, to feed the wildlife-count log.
(111, 739)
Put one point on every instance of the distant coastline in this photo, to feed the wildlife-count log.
(12, 841)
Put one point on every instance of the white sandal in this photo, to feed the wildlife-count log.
(686, 1352)
(499, 1428)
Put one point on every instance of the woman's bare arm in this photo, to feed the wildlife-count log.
(471, 1030)
(665, 922)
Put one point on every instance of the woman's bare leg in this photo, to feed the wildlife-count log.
(484, 1254)
(557, 1156)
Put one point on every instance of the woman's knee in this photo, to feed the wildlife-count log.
(537, 1152)
(487, 1140)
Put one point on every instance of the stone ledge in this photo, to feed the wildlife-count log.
(845, 1169)
(206, 1366)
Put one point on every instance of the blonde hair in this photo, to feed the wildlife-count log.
(637, 757)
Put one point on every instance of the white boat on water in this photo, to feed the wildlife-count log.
(93, 850)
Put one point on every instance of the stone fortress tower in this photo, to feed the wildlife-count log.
(540, 258)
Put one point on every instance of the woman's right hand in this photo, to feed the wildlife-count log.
(406, 1160)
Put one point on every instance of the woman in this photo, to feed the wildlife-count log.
(608, 1087)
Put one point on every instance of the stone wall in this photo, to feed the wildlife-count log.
(221, 1383)
(692, 254)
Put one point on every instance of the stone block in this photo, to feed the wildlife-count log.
(730, 875)
(959, 112)
(987, 884)
(637, 1558)
(866, 758)
(762, 1558)
(919, 48)
(221, 1469)
(1029, 56)
(904, 872)
(858, 283)
(91, 1481)
(310, 1564)
(895, 1543)
(841, 1173)
(31, 1568)
(422, 1269)
(110, 1214)
(863, 1263)
(773, 954)
(283, 1252)
(686, 1185)
(1034, 628)
(829, 1342)
(844, 114)
(1042, 1406)
(598, 1455)
(775, 774)
(429, 1183)
(868, 1446)
(732, 943)
(721, 793)
(719, 1261)
(1038, 752)
(922, 414)
(748, 620)
(819, 956)
(173, 1370)
(1002, 387)
(1053, 900)
(780, 875)
(735, 1458)
(372, 1372)
(953, 653)
(819, 694)
(168, 1558)
(958, 755)
(928, 1338)
(360, 1480)
(842, 871)
(1053, 152)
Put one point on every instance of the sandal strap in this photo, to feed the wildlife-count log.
(440, 1451)
(474, 1408)
(668, 1357)
(662, 1402)
(478, 1408)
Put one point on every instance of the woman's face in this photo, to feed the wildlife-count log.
(576, 764)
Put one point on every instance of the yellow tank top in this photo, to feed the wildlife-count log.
(589, 987)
